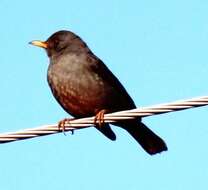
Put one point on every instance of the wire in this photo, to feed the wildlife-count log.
(108, 118)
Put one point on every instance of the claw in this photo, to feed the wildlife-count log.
(100, 118)
(62, 125)
(72, 131)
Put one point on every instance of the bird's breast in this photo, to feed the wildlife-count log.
(79, 91)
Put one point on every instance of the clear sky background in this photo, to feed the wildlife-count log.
(158, 50)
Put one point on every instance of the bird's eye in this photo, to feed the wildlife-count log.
(55, 44)
(58, 45)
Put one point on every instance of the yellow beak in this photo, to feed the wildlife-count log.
(39, 44)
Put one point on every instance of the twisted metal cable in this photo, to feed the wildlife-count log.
(109, 118)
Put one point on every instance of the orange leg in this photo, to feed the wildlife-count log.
(99, 117)
(62, 124)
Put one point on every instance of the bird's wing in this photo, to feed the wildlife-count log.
(118, 92)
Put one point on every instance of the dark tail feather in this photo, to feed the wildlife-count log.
(150, 142)
(107, 131)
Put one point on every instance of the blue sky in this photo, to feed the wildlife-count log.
(158, 50)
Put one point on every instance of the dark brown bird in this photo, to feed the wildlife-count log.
(84, 86)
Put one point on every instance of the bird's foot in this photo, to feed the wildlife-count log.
(99, 118)
(62, 124)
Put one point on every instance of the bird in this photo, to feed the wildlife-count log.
(84, 86)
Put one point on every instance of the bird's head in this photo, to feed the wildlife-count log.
(58, 42)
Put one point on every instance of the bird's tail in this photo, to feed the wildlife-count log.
(107, 131)
(150, 142)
